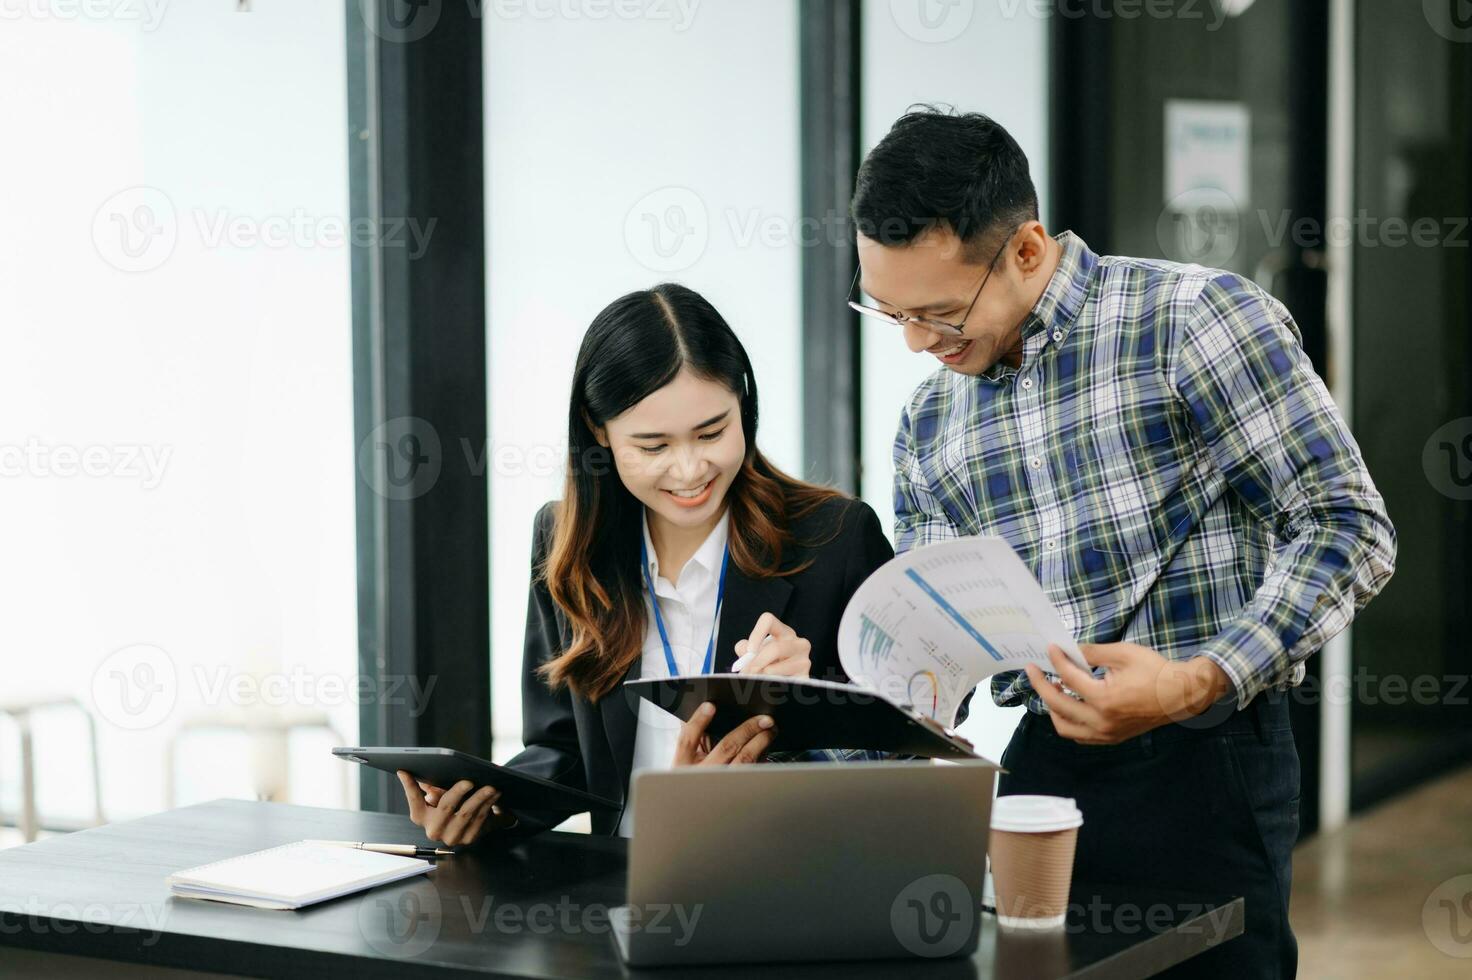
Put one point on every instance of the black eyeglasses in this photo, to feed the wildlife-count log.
(929, 323)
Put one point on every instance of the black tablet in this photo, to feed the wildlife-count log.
(446, 767)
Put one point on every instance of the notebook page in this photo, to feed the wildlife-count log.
(299, 873)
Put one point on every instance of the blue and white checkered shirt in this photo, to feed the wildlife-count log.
(1165, 461)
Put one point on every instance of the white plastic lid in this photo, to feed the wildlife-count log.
(1035, 814)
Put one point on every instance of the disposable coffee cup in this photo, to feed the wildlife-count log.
(1032, 844)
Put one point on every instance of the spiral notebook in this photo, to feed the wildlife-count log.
(293, 875)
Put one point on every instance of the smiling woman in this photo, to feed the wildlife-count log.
(664, 387)
(676, 548)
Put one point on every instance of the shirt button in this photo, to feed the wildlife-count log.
(1027, 383)
(1036, 462)
(1051, 545)
(1057, 334)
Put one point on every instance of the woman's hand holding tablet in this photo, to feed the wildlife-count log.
(456, 815)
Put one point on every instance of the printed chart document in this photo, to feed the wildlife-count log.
(917, 636)
(293, 875)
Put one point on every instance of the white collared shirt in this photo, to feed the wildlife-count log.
(689, 610)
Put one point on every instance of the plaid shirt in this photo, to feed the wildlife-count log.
(1165, 461)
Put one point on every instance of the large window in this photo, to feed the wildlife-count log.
(655, 142)
(176, 458)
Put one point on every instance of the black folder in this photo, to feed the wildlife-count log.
(809, 714)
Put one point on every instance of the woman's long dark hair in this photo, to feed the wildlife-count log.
(634, 347)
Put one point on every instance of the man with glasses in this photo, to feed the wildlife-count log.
(1154, 443)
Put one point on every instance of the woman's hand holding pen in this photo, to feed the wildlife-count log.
(773, 648)
(456, 815)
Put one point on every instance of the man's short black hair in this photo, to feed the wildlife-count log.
(937, 166)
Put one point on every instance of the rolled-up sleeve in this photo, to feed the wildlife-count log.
(1272, 429)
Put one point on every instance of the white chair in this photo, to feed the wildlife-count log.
(268, 732)
(20, 712)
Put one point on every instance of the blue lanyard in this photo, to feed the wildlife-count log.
(664, 637)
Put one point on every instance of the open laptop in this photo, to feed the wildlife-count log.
(806, 861)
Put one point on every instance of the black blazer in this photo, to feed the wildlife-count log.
(589, 745)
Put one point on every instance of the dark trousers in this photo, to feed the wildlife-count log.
(1185, 808)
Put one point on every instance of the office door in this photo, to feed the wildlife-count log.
(1196, 131)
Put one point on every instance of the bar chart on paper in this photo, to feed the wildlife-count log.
(930, 624)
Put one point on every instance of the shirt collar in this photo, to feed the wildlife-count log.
(707, 557)
(1053, 315)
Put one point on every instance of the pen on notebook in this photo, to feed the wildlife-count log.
(745, 658)
(407, 850)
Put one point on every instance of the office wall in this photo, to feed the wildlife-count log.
(622, 151)
(990, 58)
(176, 460)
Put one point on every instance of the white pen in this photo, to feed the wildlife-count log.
(407, 850)
(745, 658)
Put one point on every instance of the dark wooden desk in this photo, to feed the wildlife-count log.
(535, 909)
